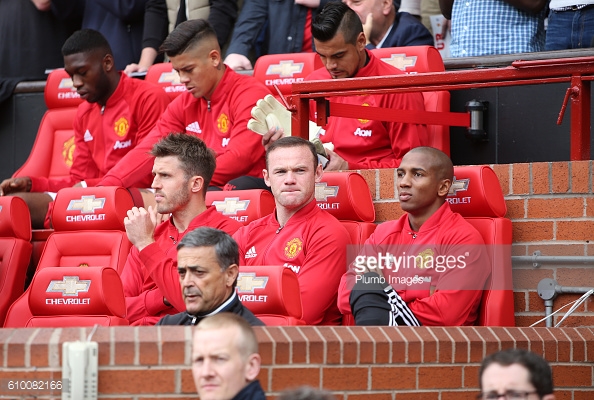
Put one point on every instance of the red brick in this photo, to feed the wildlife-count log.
(393, 378)
(369, 175)
(580, 176)
(173, 347)
(265, 345)
(516, 209)
(556, 208)
(366, 344)
(540, 178)
(287, 378)
(503, 172)
(564, 299)
(529, 278)
(414, 345)
(445, 346)
(263, 378)
(575, 230)
(439, 377)
(520, 302)
(504, 336)
(103, 338)
(382, 345)
(491, 340)
(528, 320)
(387, 211)
(534, 340)
(281, 344)
(560, 174)
(316, 352)
(576, 321)
(471, 376)
(550, 344)
(535, 303)
(298, 345)
(345, 378)
(476, 343)
(418, 396)
(589, 206)
(588, 336)
(376, 396)
(532, 231)
(349, 348)
(333, 346)
(387, 186)
(16, 347)
(520, 341)
(124, 345)
(399, 346)
(587, 394)
(187, 381)
(578, 346)
(521, 179)
(428, 343)
(552, 249)
(148, 345)
(123, 381)
(39, 348)
(461, 345)
(574, 277)
(572, 375)
(459, 395)
(563, 395)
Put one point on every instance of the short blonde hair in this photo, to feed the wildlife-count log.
(248, 344)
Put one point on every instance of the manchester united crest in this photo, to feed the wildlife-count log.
(424, 259)
(364, 121)
(223, 123)
(293, 248)
(121, 127)
(68, 151)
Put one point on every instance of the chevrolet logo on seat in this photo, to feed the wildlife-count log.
(66, 83)
(69, 286)
(285, 69)
(323, 191)
(458, 185)
(231, 205)
(86, 204)
(401, 61)
(248, 281)
(170, 77)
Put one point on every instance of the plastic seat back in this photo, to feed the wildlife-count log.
(51, 155)
(283, 70)
(477, 196)
(88, 232)
(272, 293)
(15, 250)
(415, 59)
(76, 296)
(243, 206)
(165, 76)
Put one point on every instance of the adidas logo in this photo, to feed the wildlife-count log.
(88, 137)
(194, 127)
(251, 253)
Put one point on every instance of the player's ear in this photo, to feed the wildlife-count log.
(108, 63)
(319, 172)
(266, 178)
(197, 183)
(444, 187)
(361, 41)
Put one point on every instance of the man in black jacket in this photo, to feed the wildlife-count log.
(207, 262)
(225, 359)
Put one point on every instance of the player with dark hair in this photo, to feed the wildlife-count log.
(182, 171)
(118, 113)
(215, 108)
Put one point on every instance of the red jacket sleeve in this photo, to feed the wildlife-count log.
(245, 147)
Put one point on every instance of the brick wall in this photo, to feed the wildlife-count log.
(552, 209)
(353, 362)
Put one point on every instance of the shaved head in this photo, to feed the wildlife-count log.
(438, 161)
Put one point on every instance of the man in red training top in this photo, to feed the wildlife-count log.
(298, 235)
(182, 171)
(426, 268)
(118, 113)
(215, 108)
(358, 143)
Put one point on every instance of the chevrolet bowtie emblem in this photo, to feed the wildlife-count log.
(248, 281)
(86, 204)
(285, 69)
(401, 61)
(69, 286)
(170, 77)
(66, 83)
(458, 185)
(231, 205)
(323, 191)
